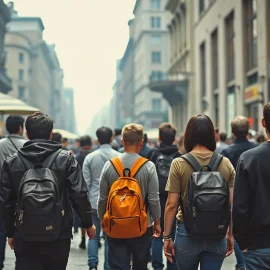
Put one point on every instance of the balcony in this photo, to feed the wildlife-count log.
(173, 86)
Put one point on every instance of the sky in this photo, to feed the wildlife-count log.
(90, 35)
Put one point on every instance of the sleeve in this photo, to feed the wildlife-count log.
(7, 201)
(231, 175)
(153, 194)
(173, 183)
(87, 172)
(240, 211)
(104, 189)
(78, 193)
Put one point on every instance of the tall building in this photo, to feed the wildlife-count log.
(5, 81)
(69, 111)
(149, 41)
(232, 59)
(177, 85)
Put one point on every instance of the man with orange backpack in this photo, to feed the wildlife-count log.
(129, 202)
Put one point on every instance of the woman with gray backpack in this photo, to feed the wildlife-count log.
(201, 182)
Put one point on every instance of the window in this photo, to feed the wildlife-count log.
(21, 94)
(155, 39)
(156, 75)
(21, 74)
(214, 40)
(156, 105)
(21, 57)
(203, 75)
(155, 22)
(230, 47)
(251, 33)
(201, 6)
(155, 4)
(156, 57)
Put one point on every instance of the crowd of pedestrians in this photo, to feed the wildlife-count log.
(194, 199)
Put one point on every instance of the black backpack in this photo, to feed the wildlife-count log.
(163, 165)
(40, 209)
(207, 211)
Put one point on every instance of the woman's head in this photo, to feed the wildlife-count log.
(200, 131)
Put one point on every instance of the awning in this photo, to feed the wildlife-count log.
(66, 134)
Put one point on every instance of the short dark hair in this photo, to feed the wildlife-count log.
(85, 141)
(57, 137)
(117, 132)
(145, 138)
(266, 116)
(240, 126)
(13, 123)
(39, 126)
(223, 136)
(200, 131)
(104, 135)
(167, 133)
(64, 140)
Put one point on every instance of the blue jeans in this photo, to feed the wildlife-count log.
(239, 256)
(93, 244)
(257, 259)
(3, 240)
(189, 253)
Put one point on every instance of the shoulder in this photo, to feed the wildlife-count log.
(226, 163)
(3, 142)
(251, 152)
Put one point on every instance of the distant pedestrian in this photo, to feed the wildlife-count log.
(92, 169)
(204, 215)
(9, 146)
(38, 185)
(117, 144)
(64, 143)
(221, 144)
(123, 215)
(240, 129)
(57, 137)
(251, 201)
(85, 149)
(162, 157)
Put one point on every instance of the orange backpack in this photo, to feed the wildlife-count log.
(126, 215)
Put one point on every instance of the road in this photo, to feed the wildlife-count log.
(78, 258)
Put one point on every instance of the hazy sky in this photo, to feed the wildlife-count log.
(90, 35)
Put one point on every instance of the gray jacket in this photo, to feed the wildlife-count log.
(7, 148)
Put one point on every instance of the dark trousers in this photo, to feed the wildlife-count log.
(120, 251)
(3, 240)
(41, 255)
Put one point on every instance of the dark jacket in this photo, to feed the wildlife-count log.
(236, 149)
(251, 200)
(67, 171)
(81, 155)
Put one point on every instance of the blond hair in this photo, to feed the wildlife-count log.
(240, 126)
(132, 134)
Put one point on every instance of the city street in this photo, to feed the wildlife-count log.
(78, 258)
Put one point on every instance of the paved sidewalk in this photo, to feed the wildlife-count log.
(78, 258)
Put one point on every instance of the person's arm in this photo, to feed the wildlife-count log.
(170, 212)
(241, 201)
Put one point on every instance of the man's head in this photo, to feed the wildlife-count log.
(167, 133)
(266, 118)
(104, 135)
(117, 132)
(64, 142)
(57, 137)
(132, 137)
(223, 136)
(85, 141)
(39, 126)
(217, 134)
(145, 138)
(240, 127)
(14, 124)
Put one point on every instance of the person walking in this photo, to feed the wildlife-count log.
(240, 129)
(38, 186)
(9, 146)
(162, 157)
(202, 220)
(92, 168)
(130, 232)
(221, 144)
(251, 200)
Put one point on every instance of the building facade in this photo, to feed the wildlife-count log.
(69, 111)
(5, 81)
(232, 59)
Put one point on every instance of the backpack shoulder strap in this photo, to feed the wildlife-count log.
(13, 144)
(118, 166)
(137, 166)
(52, 158)
(215, 161)
(192, 161)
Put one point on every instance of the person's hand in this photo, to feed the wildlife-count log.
(245, 250)
(11, 243)
(156, 230)
(169, 252)
(91, 232)
(230, 244)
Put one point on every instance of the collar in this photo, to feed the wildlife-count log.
(106, 146)
(241, 140)
(14, 135)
